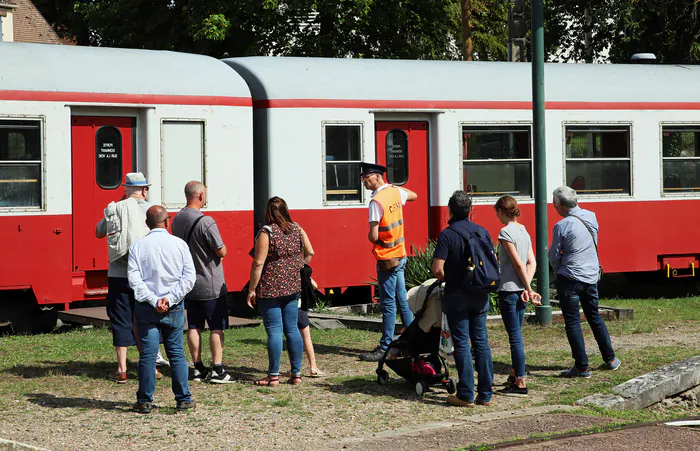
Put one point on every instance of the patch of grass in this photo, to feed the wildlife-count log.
(283, 402)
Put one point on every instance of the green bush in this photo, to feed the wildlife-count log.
(419, 267)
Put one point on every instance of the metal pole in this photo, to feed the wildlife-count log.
(544, 312)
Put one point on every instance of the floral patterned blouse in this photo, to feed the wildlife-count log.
(281, 274)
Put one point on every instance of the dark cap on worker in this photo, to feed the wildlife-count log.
(371, 168)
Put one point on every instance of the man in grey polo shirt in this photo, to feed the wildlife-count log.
(207, 300)
(574, 257)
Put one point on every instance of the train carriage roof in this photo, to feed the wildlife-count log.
(68, 68)
(372, 79)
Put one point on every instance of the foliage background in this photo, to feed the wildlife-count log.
(576, 30)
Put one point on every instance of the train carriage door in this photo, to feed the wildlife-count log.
(102, 156)
(403, 148)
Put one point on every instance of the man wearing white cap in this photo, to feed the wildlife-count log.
(124, 223)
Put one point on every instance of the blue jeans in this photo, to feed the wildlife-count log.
(392, 288)
(151, 325)
(513, 313)
(571, 293)
(466, 325)
(281, 314)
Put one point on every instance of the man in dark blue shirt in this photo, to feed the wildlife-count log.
(466, 312)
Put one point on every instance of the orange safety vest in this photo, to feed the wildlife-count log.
(391, 241)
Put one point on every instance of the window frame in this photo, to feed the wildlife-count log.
(324, 124)
(690, 194)
(630, 126)
(490, 199)
(163, 122)
(41, 119)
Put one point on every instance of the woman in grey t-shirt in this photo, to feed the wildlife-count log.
(517, 261)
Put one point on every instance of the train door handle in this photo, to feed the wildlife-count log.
(57, 231)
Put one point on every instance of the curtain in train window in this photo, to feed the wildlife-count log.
(681, 159)
(497, 160)
(343, 154)
(108, 149)
(182, 159)
(20, 164)
(598, 159)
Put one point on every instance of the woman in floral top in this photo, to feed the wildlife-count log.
(281, 249)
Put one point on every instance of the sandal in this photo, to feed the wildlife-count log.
(294, 380)
(315, 372)
(269, 381)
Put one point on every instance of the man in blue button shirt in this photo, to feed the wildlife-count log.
(574, 257)
(161, 273)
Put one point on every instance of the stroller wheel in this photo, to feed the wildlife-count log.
(421, 388)
(452, 385)
(382, 377)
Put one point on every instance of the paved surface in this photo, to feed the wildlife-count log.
(97, 316)
(649, 437)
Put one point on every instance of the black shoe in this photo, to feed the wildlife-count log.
(143, 407)
(513, 390)
(220, 378)
(200, 376)
(183, 406)
(373, 356)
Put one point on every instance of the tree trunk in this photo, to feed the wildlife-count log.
(468, 53)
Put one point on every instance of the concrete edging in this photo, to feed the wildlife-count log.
(643, 391)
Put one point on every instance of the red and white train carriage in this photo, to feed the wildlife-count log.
(626, 137)
(75, 120)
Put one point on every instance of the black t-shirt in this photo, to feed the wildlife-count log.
(451, 247)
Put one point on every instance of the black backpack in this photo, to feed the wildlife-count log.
(483, 274)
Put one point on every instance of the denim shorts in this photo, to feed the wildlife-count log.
(120, 309)
(214, 312)
(303, 321)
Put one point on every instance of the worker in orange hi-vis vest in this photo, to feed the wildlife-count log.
(386, 234)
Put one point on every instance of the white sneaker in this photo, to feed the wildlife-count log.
(160, 360)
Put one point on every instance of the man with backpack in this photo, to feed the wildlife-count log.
(207, 300)
(386, 234)
(465, 259)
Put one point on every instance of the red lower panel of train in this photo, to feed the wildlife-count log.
(37, 254)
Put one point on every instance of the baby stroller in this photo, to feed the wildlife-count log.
(414, 354)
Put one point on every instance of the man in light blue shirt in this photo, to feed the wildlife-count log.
(161, 273)
(574, 257)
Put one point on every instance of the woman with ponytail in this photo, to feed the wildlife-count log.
(518, 265)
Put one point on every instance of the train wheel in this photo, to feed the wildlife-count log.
(22, 315)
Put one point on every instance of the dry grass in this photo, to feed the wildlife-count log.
(54, 392)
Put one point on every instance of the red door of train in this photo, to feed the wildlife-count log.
(403, 148)
(102, 150)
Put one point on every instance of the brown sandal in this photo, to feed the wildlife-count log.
(269, 381)
(294, 380)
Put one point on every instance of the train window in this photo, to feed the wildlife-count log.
(497, 160)
(182, 157)
(20, 163)
(108, 149)
(681, 159)
(598, 159)
(397, 157)
(343, 154)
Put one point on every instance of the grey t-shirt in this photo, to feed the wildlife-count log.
(204, 243)
(516, 234)
(120, 266)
